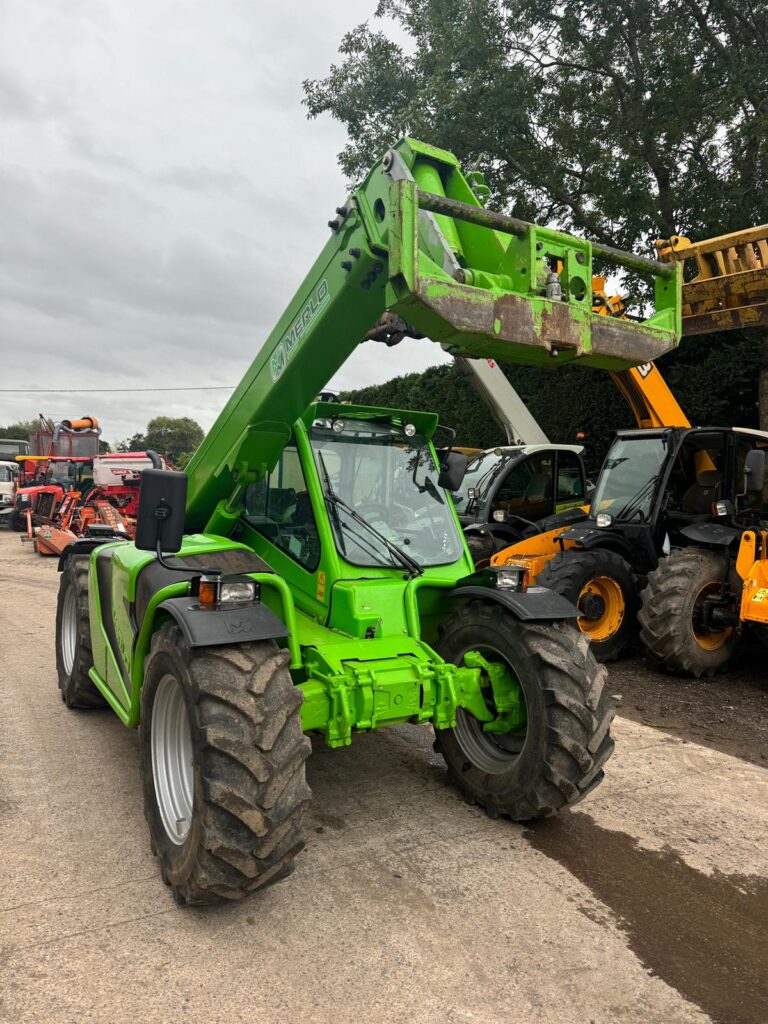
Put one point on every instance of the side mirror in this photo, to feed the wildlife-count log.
(162, 508)
(754, 470)
(453, 466)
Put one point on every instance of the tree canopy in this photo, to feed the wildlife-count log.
(178, 436)
(21, 430)
(625, 121)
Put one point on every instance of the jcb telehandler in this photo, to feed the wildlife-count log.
(659, 543)
(307, 575)
(604, 572)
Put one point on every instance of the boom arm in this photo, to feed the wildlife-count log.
(504, 403)
(413, 242)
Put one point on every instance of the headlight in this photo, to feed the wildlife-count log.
(238, 593)
(512, 577)
(212, 593)
(603, 519)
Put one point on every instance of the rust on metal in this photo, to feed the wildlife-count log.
(552, 327)
(730, 289)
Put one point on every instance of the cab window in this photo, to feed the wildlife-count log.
(570, 478)
(278, 507)
(698, 476)
(527, 488)
(755, 500)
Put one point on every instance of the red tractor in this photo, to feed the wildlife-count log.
(105, 500)
(58, 455)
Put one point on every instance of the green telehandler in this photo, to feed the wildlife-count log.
(307, 573)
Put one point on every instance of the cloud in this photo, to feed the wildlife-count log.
(162, 196)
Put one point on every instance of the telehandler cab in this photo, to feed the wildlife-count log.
(307, 574)
(658, 544)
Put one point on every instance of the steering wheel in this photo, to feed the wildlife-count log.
(374, 508)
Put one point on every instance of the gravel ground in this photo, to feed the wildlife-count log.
(647, 903)
(728, 712)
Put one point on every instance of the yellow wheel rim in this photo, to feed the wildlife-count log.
(708, 639)
(606, 594)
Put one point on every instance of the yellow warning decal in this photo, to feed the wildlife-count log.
(320, 595)
(761, 595)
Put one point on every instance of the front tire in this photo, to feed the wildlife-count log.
(74, 657)
(559, 758)
(671, 627)
(602, 586)
(19, 522)
(223, 766)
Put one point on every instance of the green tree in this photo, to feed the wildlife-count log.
(626, 121)
(176, 436)
(136, 443)
(21, 430)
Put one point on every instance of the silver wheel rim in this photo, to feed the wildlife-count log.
(172, 759)
(68, 637)
(491, 753)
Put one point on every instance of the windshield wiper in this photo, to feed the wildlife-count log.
(632, 506)
(403, 557)
(334, 509)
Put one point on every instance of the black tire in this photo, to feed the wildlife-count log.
(249, 791)
(18, 522)
(567, 741)
(484, 544)
(74, 656)
(481, 548)
(608, 626)
(669, 628)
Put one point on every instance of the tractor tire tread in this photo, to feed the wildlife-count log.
(565, 573)
(665, 619)
(78, 690)
(576, 741)
(251, 752)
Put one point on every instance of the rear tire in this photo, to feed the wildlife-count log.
(601, 584)
(74, 656)
(670, 629)
(567, 740)
(222, 758)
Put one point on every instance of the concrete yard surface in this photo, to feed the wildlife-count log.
(647, 903)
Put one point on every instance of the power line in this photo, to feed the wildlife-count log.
(101, 390)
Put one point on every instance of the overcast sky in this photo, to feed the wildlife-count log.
(161, 197)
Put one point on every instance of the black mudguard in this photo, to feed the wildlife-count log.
(534, 604)
(209, 627)
(85, 545)
(711, 534)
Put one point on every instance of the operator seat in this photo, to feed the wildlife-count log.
(699, 497)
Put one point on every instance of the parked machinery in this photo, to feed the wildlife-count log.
(56, 457)
(105, 501)
(308, 575)
(594, 557)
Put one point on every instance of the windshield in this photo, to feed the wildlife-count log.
(391, 481)
(627, 480)
(481, 472)
(10, 449)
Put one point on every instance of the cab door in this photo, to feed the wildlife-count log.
(571, 486)
(526, 490)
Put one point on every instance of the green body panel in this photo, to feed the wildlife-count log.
(362, 638)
